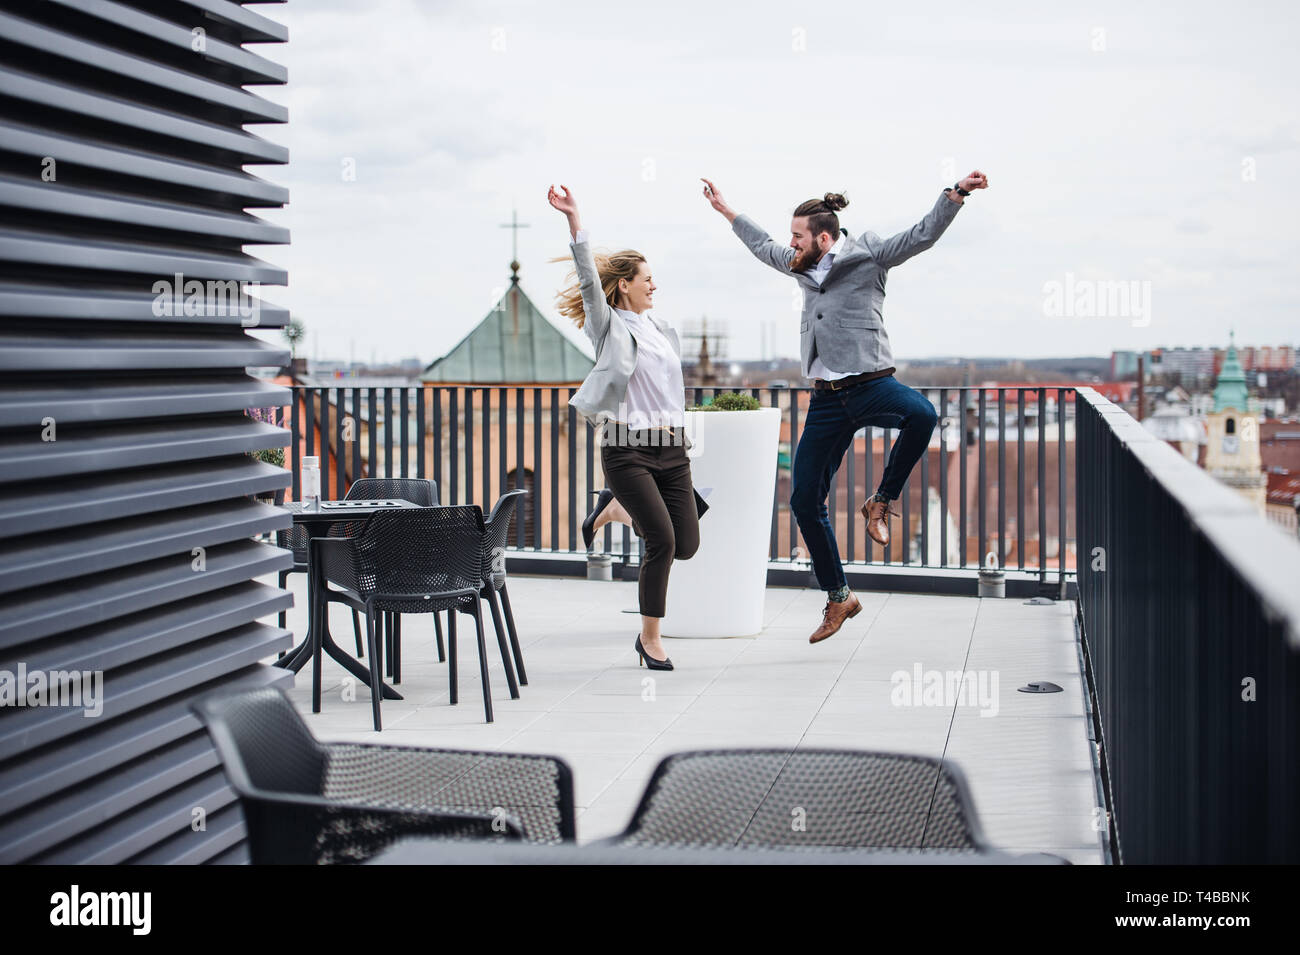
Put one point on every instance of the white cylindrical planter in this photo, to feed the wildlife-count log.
(719, 591)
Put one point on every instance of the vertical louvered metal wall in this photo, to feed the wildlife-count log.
(123, 437)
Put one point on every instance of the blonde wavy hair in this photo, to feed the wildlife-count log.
(610, 267)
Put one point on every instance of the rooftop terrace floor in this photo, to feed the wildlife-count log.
(1027, 757)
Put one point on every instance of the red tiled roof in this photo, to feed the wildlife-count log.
(1283, 488)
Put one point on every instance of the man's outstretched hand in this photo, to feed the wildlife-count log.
(976, 180)
(715, 199)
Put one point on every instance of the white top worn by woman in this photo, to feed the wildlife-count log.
(656, 391)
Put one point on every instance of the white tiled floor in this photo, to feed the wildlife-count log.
(1026, 756)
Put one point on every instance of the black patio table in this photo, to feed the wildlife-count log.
(322, 516)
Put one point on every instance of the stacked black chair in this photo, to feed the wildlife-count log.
(422, 492)
(810, 800)
(308, 802)
(412, 560)
(494, 574)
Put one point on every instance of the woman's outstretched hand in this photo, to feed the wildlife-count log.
(565, 203)
(568, 205)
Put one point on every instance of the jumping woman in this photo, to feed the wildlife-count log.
(635, 399)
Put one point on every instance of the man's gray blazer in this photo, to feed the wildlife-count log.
(842, 319)
(603, 394)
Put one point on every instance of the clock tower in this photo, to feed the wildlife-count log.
(1232, 451)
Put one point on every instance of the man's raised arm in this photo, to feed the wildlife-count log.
(764, 247)
(901, 247)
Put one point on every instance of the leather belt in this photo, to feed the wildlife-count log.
(836, 384)
(657, 427)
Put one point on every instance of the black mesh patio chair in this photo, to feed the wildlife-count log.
(497, 525)
(812, 800)
(412, 560)
(308, 802)
(419, 491)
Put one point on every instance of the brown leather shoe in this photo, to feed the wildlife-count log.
(877, 514)
(833, 617)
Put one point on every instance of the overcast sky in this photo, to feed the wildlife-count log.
(1129, 142)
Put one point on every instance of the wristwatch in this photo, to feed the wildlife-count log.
(960, 190)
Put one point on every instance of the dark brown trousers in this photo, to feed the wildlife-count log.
(650, 475)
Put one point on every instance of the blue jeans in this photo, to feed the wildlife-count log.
(833, 418)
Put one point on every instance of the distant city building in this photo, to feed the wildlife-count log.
(1280, 452)
(1269, 358)
(1284, 501)
(1190, 363)
(1124, 364)
(1205, 363)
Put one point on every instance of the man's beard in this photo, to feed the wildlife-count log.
(806, 258)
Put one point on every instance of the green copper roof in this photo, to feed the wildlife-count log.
(513, 344)
(1230, 389)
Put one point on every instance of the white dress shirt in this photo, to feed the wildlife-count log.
(656, 393)
(818, 274)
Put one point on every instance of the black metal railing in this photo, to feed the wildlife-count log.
(1191, 622)
(479, 441)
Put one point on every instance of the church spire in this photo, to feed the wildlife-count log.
(1230, 388)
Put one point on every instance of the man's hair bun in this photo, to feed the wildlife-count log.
(835, 201)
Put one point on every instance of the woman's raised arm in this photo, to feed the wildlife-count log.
(597, 313)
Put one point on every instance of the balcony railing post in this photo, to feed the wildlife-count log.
(943, 477)
(520, 471)
(962, 468)
(406, 431)
(503, 413)
(421, 468)
(356, 433)
(436, 399)
(1042, 488)
(773, 547)
(1002, 478)
(537, 468)
(323, 393)
(339, 454)
(794, 441)
(294, 446)
(1060, 490)
(1020, 477)
(388, 432)
(486, 448)
(983, 478)
(372, 409)
(572, 468)
(924, 556)
(467, 420)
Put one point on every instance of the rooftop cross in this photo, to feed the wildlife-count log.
(516, 225)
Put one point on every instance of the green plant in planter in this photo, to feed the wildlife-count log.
(271, 456)
(729, 401)
(274, 456)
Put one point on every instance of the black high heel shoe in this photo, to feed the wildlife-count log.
(603, 497)
(646, 660)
